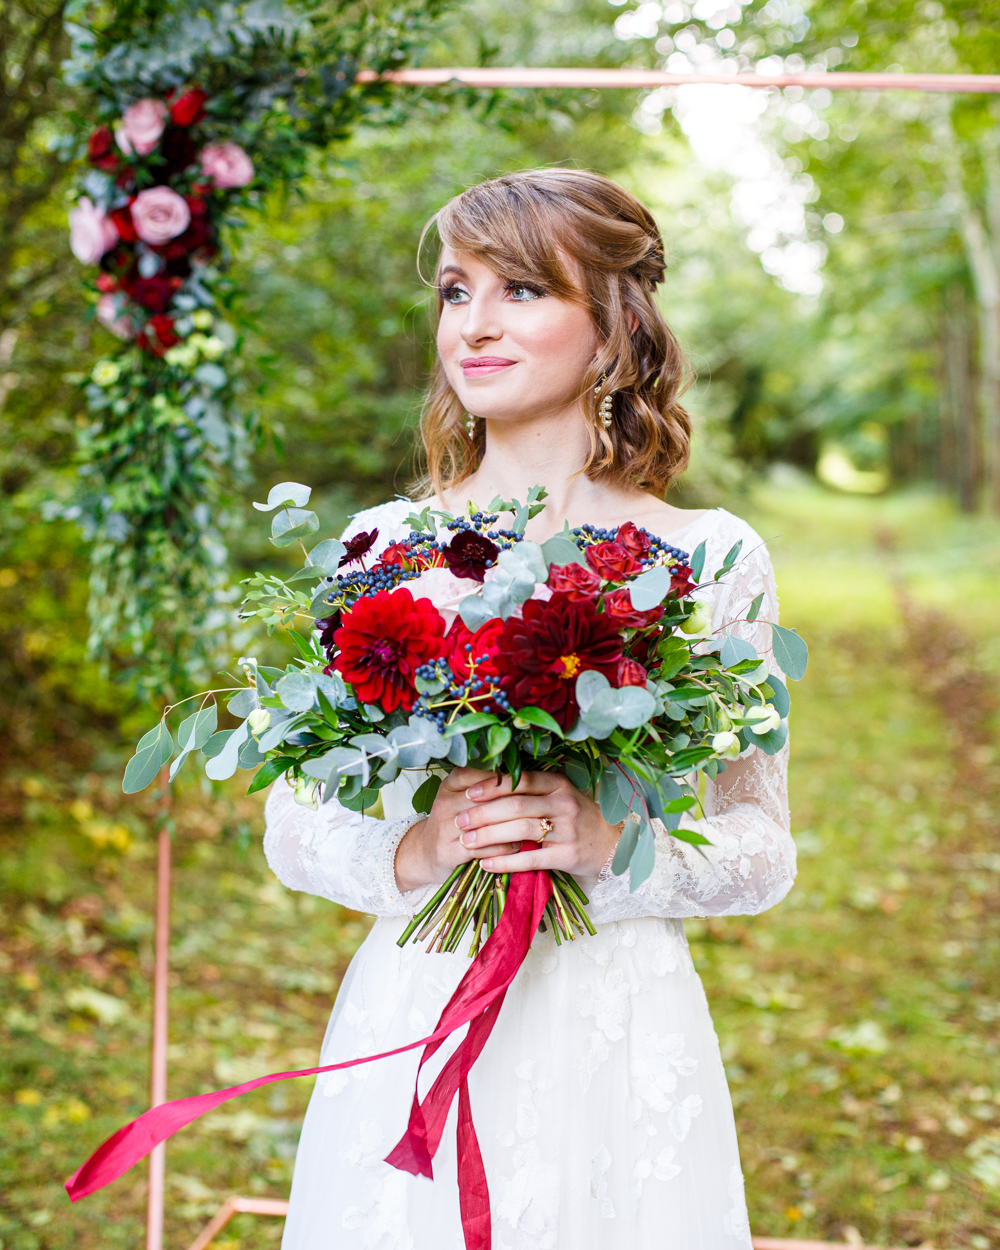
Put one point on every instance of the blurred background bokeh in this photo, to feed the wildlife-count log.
(832, 262)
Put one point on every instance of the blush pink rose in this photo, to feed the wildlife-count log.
(445, 591)
(141, 126)
(159, 215)
(227, 165)
(91, 232)
(108, 315)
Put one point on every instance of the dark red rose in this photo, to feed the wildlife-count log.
(618, 606)
(153, 293)
(382, 641)
(612, 561)
(326, 628)
(681, 584)
(159, 334)
(189, 108)
(395, 553)
(125, 178)
(470, 554)
(468, 652)
(540, 656)
(100, 143)
(122, 217)
(178, 150)
(631, 673)
(198, 233)
(576, 581)
(196, 204)
(633, 539)
(107, 283)
(357, 547)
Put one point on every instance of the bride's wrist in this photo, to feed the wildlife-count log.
(411, 870)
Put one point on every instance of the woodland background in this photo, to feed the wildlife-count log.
(857, 426)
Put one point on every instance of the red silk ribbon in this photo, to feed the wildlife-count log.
(476, 1002)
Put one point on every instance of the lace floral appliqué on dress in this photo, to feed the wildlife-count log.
(600, 1099)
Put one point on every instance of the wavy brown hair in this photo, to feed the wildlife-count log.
(522, 226)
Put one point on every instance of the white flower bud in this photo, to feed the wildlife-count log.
(258, 720)
(762, 719)
(202, 319)
(726, 745)
(699, 623)
(106, 372)
(305, 792)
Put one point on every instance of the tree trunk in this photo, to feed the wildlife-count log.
(960, 402)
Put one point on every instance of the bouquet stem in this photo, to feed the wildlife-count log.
(472, 896)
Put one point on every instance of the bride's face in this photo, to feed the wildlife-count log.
(509, 349)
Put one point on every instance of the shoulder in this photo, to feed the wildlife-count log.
(720, 531)
(388, 518)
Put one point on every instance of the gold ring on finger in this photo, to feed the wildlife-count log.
(547, 827)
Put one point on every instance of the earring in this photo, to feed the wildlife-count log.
(470, 424)
(604, 408)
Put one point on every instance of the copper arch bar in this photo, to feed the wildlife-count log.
(651, 78)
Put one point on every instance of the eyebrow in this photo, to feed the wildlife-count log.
(454, 269)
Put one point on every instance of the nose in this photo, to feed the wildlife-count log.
(480, 324)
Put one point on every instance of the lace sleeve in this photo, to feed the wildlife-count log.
(335, 853)
(750, 864)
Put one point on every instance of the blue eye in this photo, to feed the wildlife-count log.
(453, 294)
(522, 293)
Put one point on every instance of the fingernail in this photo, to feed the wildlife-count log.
(487, 864)
(462, 819)
(474, 792)
(468, 839)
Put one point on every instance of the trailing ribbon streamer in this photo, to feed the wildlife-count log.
(476, 1001)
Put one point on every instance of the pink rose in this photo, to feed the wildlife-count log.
(159, 215)
(142, 125)
(108, 315)
(227, 165)
(91, 232)
(445, 591)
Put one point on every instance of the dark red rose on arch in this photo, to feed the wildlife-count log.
(153, 294)
(611, 561)
(540, 656)
(159, 335)
(358, 546)
(465, 650)
(574, 580)
(470, 554)
(618, 606)
(198, 234)
(383, 640)
(633, 539)
(631, 673)
(189, 107)
(100, 143)
(178, 150)
(122, 217)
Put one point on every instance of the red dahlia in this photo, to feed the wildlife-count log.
(612, 561)
(382, 642)
(540, 656)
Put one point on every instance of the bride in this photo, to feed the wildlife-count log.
(600, 1099)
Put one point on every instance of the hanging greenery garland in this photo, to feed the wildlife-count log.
(194, 123)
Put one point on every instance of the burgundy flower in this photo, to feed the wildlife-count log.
(631, 673)
(326, 628)
(575, 580)
(100, 148)
(198, 234)
(357, 547)
(681, 583)
(540, 656)
(470, 554)
(189, 107)
(179, 150)
(159, 334)
(154, 294)
(618, 606)
(382, 641)
(612, 561)
(633, 539)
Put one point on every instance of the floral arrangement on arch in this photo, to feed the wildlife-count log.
(151, 224)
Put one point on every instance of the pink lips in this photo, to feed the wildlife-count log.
(479, 366)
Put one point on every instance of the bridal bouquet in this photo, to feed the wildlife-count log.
(591, 654)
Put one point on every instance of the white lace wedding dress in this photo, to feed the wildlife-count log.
(600, 1099)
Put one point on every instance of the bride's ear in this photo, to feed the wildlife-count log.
(632, 318)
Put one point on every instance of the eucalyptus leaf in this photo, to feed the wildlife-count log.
(735, 649)
(151, 753)
(242, 703)
(294, 494)
(475, 611)
(625, 848)
(250, 754)
(753, 611)
(458, 751)
(560, 549)
(613, 806)
(588, 686)
(772, 742)
(194, 732)
(650, 588)
(292, 524)
(426, 793)
(643, 858)
(539, 717)
(328, 554)
(790, 652)
(223, 765)
(282, 725)
(779, 699)
(627, 707)
(698, 561)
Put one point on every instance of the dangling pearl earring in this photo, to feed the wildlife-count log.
(604, 408)
(470, 424)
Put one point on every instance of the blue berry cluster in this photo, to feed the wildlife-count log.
(457, 692)
(481, 523)
(361, 583)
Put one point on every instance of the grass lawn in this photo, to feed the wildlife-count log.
(860, 1020)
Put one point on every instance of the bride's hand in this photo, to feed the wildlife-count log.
(580, 841)
(432, 848)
